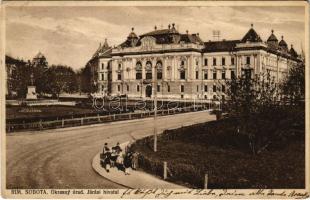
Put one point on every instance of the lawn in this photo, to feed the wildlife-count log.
(47, 112)
(213, 148)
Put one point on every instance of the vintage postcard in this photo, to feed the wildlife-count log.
(155, 99)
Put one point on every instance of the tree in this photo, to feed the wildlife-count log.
(21, 78)
(60, 79)
(85, 80)
(293, 86)
(249, 99)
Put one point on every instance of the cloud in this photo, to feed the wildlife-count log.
(70, 35)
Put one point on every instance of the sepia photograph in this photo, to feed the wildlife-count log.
(155, 99)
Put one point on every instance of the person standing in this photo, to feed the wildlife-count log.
(127, 163)
(134, 161)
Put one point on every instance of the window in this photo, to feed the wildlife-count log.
(223, 61)
(159, 75)
(182, 96)
(138, 88)
(247, 73)
(182, 88)
(119, 76)
(197, 88)
(102, 76)
(223, 88)
(182, 63)
(214, 61)
(206, 75)
(232, 74)
(159, 68)
(232, 61)
(206, 88)
(102, 66)
(206, 62)
(214, 75)
(148, 69)
(168, 89)
(248, 60)
(197, 75)
(214, 88)
(138, 75)
(118, 88)
(223, 75)
(197, 62)
(119, 66)
(182, 75)
(127, 88)
(148, 75)
(158, 88)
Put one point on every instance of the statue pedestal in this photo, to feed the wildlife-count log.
(31, 94)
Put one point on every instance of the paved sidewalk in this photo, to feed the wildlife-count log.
(136, 179)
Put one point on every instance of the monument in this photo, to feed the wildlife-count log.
(31, 94)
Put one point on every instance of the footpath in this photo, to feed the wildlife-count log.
(140, 179)
(136, 179)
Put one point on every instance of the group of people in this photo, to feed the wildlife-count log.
(115, 158)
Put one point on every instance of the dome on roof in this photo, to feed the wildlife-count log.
(282, 43)
(251, 36)
(272, 38)
(293, 52)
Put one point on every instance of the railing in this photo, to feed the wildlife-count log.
(41, 125)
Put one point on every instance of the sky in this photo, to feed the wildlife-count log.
(71, 35)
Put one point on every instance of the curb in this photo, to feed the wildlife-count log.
(160, 182)
(103, 124)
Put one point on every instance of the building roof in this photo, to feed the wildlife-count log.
(161, 32)
(103, 51)
(251, 36)
(282, 43)
(163, 36)
(293, 52)
(11, 60)
(272, 38)
(132, 34)
(220, 46)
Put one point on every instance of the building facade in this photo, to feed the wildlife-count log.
(183, 66)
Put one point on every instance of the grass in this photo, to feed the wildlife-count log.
(230, 168)
(213, 148)
(47, 111)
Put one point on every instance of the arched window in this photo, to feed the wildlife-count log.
(138, 71)
(182, 63)
(148, 70)
(159, 68)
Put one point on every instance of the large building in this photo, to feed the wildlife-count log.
(183, 66)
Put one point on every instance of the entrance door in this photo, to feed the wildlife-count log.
(148, 91)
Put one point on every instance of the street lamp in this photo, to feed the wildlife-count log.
(155, 107)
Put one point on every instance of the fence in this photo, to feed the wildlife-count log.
(172, 171)
(62, 123)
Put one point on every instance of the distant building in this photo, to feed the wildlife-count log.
(39, 60)
(185, 66)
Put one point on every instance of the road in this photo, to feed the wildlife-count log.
(62, 158)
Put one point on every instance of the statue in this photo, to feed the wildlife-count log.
(31, 94)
